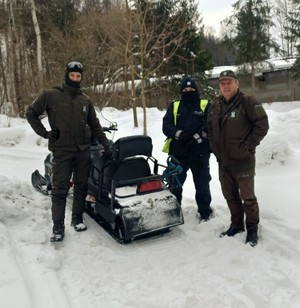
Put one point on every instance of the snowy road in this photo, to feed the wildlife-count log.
(189, 267)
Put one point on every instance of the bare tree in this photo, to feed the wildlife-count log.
(38, 43)
(3, 80)
(159, 39)
(15, 48)
(285, 9)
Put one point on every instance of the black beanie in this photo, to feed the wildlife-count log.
(188, 82)
(189, 97)
(73, 66)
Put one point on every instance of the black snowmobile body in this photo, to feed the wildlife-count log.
(127, 195)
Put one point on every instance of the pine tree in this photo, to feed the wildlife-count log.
(248, 30)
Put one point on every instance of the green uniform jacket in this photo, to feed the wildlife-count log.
(70, 112)
(235, 128)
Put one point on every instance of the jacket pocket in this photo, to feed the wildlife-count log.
(237, 150)
(63, 140)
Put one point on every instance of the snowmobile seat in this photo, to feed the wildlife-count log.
(129, 160)
(132, 146)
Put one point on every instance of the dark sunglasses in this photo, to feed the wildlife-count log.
(74, 64)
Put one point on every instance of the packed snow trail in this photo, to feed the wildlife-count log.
(182, 268)
(188, 267)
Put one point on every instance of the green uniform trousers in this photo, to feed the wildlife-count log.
(238, 190)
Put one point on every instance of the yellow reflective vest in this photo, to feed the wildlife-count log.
(203, 104)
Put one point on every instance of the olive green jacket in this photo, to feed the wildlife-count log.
(70, 112)
(236, 128)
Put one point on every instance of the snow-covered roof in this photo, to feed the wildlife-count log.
(278, 64)
(215, 72)
(269, 65)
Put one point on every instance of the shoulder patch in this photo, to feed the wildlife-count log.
(259, 110)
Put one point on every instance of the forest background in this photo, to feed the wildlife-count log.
(134, 51)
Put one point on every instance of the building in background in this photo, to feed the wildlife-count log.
(273, 80)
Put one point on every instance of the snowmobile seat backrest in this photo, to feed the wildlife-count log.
(128, 160)
(132, 146)
(131, 169)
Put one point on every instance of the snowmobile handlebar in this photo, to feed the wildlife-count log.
(112, 126)
(174, 159)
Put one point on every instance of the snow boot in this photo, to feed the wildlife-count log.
(77, 223)
(205, 216)
(232, 231)
(58, 231)
(252, 238)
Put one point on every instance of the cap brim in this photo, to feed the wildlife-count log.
(227, 77)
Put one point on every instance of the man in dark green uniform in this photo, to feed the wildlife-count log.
(236, 125)
(73, 120)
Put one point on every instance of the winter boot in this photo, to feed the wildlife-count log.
(206, 215)
(58, 231)
(77, 223)
(232, 231)
(251, 238)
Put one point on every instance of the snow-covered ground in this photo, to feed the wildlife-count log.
(189, 267)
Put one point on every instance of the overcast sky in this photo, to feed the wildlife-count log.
(214, 11)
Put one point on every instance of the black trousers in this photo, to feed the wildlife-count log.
(199, 165)
(66, 166)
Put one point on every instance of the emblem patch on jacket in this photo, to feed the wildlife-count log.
(234, 114)
(84, 108)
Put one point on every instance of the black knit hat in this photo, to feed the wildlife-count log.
(188, 82)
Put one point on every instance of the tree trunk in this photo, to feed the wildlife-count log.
(130, 56)
(16, 62)
(4, 81)
(144, 104)
(38, 44)
(252, 77)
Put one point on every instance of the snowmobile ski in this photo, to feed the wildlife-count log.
(40, 183)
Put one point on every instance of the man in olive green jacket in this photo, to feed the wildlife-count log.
(236, 125)
(73, 120)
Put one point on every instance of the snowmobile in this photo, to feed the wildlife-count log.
(127, 195)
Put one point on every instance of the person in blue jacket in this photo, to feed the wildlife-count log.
(185, 123)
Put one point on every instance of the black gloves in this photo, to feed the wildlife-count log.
(53, 134)
(204, 134)
(107, 151)
(189, 142)
(184, 138)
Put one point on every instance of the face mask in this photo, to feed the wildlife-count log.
(190, 97)
(71, 83)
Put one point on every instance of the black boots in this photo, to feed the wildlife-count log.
(77, 223)
(252, 238)
(232, 231)
(58, 231)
